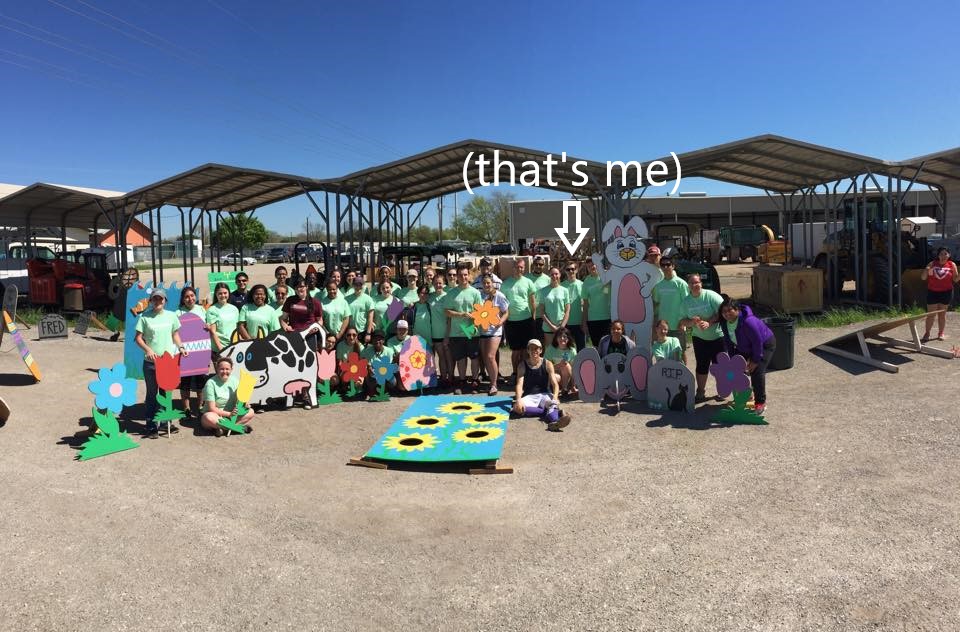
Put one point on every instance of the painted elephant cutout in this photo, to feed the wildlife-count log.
(613, 376)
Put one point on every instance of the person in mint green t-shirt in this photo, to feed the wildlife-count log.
(350, 344)
(336, 311)
(575, 290)
(540, 280)
(157, 333)
(280, 274)
(257, 318)
(561, 353)
(361, 310)
(596, 304)
(422, 316)
(665, 346)
(518, 330)
(222, 319)
(220, 398)
(702, 319)
(438, 329)
(409, 294)
(553, 306)
(668, 297)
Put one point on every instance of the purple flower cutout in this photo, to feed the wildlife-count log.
(730, 374)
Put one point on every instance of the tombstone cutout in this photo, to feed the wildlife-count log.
(52, 326)
(671, 386)
(83, 322)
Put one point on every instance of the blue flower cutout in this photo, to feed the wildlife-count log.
(383, 370)
(114, 389)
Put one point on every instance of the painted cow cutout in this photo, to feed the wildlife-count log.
(281, 364)
(613, 376)
(631, 278)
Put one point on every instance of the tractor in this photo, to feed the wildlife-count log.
(914, 255)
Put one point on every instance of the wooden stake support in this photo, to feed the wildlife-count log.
(874, 331)
(100, 325)
(481, 468)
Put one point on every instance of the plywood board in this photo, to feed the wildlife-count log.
(446, 428)
(9, 305)
(671, 386)
(21, 346)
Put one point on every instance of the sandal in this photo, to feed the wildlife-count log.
(492, 392)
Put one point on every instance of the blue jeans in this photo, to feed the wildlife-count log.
(150, 381)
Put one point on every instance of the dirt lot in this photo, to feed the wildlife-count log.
(841, 514)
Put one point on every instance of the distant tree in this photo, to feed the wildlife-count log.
(423, 234)
(239, 231)
(485, 219)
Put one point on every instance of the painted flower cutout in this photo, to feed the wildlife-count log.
(354, 368)
(413, 442)
(485, 315)
(383, 369)
(114, 389)
(326, 364)
(168, 371)
(245, 386)
(478, 435)
(730, 374)
(426, 422)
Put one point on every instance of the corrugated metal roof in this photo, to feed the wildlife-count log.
(52, 205)
(220, 187)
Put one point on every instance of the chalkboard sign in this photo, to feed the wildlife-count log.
(83, 321)
(53, 326)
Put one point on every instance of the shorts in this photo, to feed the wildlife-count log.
(518, 333)
(939, 298)
(193, 382)
(705, 351)
(462, 348)
(538, 330)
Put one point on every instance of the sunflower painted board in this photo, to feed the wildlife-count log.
(446, 428)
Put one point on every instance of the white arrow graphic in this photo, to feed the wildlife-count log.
(572, 205)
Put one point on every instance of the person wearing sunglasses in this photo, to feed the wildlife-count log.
(668, 297)
(238, 297)
(575, 290)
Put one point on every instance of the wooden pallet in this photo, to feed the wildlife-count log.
(471, 467)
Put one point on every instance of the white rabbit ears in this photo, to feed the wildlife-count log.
(635, 227)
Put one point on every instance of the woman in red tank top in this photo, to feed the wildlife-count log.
(940, 275)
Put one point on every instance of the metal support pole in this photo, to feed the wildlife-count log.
(153, 240)
(183, 246)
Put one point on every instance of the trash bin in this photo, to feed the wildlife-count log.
(782, 328)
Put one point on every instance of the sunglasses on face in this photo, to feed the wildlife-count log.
(571, 269)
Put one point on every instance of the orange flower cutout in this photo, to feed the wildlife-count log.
(354, 368)
(485, 315)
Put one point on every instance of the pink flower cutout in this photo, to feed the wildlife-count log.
(326, 364)
(730, 374)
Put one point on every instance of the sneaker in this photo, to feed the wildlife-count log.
(152, 432)
(249, 429)
(759, 408)
(458, 391)
(564, 420)
(219, 432)
(700, 397)
(307, 407)
(173, 428)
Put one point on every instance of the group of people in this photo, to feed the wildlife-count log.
(544, 317)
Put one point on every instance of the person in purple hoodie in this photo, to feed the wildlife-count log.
(746, 335)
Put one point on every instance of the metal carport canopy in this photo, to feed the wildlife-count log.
(770, 162)
(220, 187)
(940, 169)
(43, 204)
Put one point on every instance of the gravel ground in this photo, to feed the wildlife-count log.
(841, 514)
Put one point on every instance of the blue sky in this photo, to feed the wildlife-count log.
(114, 95)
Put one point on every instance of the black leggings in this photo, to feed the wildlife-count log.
(705, 351)
(758, 377)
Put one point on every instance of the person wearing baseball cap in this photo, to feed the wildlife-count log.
(653, 255)
(157, 333)
(538, 390)
(396, 342)
(486, 267)
(408, 294)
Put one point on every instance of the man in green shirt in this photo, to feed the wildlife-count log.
(361, 310)
(518, 329)
(668, 297)
(459, 304)
(574, 287)
(540, 280)
(702, 318)
(596, 304)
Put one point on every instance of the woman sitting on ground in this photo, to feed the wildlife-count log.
(561, 353)
(615, 341)
(746, 335)
(666, 347)
(538, 390)
(220, 399)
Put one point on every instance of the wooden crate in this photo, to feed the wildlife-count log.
(788, 289)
